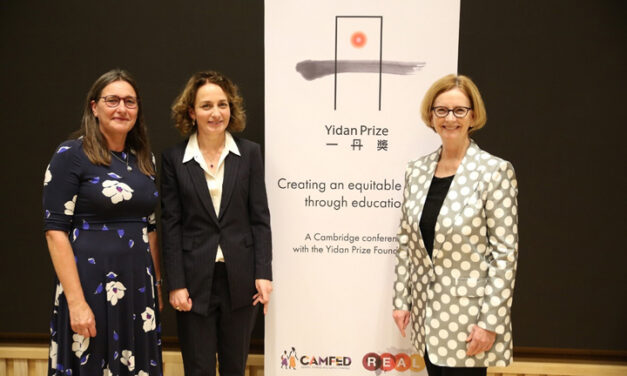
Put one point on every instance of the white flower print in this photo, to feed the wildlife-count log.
(118, 191)
(57, 294)
(145, 234)
(47, 176)
(53, 354)
(142, 373)
(149, 319)
(152, 219)
(128, 359)
(69, 206)
(80, 344)
(107, 371)
(115, 292)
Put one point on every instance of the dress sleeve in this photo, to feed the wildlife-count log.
(402, 285)
(61, 184)
(501, 208)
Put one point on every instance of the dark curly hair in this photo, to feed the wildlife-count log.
(187, 98)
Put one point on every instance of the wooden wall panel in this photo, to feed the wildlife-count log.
(38, 367)
(20, 367)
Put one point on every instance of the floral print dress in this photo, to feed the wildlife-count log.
(107, 212)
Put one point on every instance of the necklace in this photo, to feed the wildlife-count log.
(209, 153)
(125, 160)
(211, 160)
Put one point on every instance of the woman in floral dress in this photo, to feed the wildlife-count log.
(99, 197)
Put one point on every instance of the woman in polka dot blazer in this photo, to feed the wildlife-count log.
(458, 241)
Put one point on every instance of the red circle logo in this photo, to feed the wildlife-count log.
(358, 39)
(388, 362)
(371, 361)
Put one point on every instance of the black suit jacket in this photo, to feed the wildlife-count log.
(191, 231)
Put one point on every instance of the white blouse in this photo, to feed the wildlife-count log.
(214, 180)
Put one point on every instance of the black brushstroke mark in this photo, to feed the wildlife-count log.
(336, 61)
(314, 69)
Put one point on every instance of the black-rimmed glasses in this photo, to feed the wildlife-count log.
(459, 112)
(114, 101)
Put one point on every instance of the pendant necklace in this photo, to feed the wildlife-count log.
(125, 160)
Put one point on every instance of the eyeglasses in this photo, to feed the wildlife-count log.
(114, 101)
(459, 112)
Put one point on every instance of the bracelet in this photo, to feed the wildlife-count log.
(159, 282)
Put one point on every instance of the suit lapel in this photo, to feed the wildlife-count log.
(424, 176)
(465, 182)
(427, 170)
(231, 167)
(197, 175)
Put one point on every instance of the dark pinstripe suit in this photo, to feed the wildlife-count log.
(191, 233)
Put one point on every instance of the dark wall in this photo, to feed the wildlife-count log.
(552, 75)
(51, 54)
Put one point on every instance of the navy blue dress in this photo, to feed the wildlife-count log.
(107, 212)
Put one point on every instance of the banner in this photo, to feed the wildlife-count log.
(344, 81)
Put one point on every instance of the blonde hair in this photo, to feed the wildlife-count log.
(462, 83)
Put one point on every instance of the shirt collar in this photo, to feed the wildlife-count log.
(230, 145)
(192, 150)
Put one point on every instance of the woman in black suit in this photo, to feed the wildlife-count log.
(216, 227)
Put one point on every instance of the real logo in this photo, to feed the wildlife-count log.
(387, 362)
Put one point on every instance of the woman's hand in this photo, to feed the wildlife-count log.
(479, 340)
(264, 288)
(180, 300)
(401, 318)
(153, 242)
(82, 319)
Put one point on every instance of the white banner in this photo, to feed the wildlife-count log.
(344, 81)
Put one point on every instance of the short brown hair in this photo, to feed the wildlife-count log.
(462, 83)
(186, 99)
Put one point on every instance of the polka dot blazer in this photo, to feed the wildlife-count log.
(470, 279)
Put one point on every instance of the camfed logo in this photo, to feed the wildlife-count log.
(387, 362)
(290, 359)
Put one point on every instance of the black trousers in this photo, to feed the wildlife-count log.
(435, 370)
(224, 331)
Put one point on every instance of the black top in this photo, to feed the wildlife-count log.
(435, 198)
